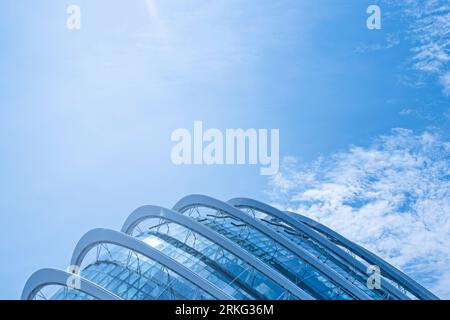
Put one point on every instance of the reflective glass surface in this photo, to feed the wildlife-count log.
(258, 244)
(212, 262)
(135, 277)
(65, 293)
(325, 255)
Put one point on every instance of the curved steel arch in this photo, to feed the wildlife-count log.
(205, 201)
(100, 236)
(393, 273)
(273, 212)
(147, 212)
(48, 277)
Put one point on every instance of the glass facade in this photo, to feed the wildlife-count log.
(65, 293)
(268, 250)
(357, 277)
(246, 264)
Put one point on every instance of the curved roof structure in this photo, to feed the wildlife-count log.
(395, 275)
(208, 249)
(48, 277)
(101, 236)
(148, 212)
(316, 237)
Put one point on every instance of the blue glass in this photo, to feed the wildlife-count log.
(65, 293)
(336, 263)
(271, 252)
(212, 262)
(135, 277)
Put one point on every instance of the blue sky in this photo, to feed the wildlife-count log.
(86, 116)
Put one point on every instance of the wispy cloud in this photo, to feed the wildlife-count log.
(418, 113)
(392, 40)
(429, 31)
(392, 197)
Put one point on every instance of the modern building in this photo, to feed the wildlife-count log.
(208, 249)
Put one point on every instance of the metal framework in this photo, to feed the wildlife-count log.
(101, 236)
(208, 202)
(148, 212)
(390, 271)
(48, 277)
(317, 237)
(346, 255)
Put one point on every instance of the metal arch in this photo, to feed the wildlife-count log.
(48, 277)
(271, 211)
(393, 273)
(205, 201)
(100, 236)
(147, 212)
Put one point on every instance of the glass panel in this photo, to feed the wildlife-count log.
(357, 278)
(65, 293)
(212, 262)
(271, 252)
(133, 276)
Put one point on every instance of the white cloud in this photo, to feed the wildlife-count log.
(406, 112)
(429, 30)
(392, 197)
(392, 40)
